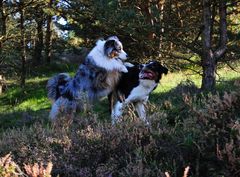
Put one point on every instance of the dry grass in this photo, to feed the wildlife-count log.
(37, 170)
(8, 168)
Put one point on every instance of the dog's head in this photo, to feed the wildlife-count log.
(152, 71)
(113, 49)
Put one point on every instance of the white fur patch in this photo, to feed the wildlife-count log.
(142, 91)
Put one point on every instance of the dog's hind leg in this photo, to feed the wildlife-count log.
(54, 111)
(111, 102)
(60, 106)
(112, 99)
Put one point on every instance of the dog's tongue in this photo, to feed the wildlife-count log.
(146, 74)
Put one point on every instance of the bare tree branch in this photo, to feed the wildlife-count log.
(185, 57)
(193, 70)
(198, 35)
(231, 67)
(187, 45)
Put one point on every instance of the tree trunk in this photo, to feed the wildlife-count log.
(49, 35)
(23, 46)
(2, 84)
(209, 71)
(39, 43)
(3, 24)
(210, 57)
(1, 11)
(208, 61)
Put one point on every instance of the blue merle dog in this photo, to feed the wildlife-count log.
(96, 77)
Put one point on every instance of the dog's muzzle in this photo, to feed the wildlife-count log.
(123, 55)
(147, 74)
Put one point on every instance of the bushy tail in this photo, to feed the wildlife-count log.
(56, 85)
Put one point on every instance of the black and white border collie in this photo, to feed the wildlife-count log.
(135, 87)
(96, 77)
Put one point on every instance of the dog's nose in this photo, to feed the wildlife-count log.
(126, 55)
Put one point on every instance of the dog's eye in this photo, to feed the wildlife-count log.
(119, 48)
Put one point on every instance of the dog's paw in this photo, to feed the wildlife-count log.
(128, 64)
(124, 69)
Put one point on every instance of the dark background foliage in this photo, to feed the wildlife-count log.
(182, 34)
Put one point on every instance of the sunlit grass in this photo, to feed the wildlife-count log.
(36, 80)
(26, 98)
(172, 79)
(34, 104)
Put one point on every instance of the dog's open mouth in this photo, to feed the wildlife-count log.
(147, 74)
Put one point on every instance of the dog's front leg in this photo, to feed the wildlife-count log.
(141, 111)
(117, 112)
(111, 102)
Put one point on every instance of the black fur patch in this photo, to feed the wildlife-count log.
(129, 80)
(61, 85)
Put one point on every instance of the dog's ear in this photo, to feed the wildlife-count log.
(115, 38)
(117, 45)
(163, 70)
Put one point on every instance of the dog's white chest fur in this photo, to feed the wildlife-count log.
(138, 95)
(141, 92)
